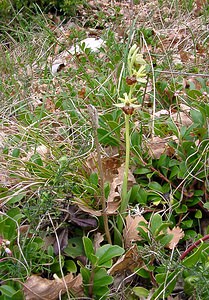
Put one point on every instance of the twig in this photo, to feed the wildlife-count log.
(185, 253)
(94, 120)
(182, 73)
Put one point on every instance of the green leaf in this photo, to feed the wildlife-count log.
(182, 170)
(174, 172)
(143, 273)
(134, 192)
(190, 284)
(155, 186)
(101, 278)
(206, 205)
(94, 178)
(106, 139)
(74, 247)
(162, 227)
(160, 278)
(16, 198)
(141, 171)
(14, 212)
(191, 260)
(186, 224)
(107, 252)
(166, 239)
(16, 152)
(198, 214)
(102, 292)
(36, 159)
(143, 233)
(89, 249)
(167, 286)
(182, 209)
(86, 275)
(7, 290)
(70, 266)
(197, 117)
(198, 193)
(114, 127)
(172, 127)
(140, 291)
(136, 138)
(156, 222)
(141, 196)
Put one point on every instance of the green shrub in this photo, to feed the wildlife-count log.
(65, 7)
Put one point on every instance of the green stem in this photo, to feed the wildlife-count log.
(124, 192)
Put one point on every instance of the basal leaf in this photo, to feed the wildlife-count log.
(156, 222)
(191, 260)
(107, 252)
(88, 247)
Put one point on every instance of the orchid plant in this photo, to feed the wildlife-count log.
(136, 75)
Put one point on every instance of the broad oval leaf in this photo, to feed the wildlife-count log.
(88, 247)
(156, 222)
(101, 278)
(107, 252)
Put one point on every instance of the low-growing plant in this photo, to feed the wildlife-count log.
(136, 67)
(66, 7)
(95, 277)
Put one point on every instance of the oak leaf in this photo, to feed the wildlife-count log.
(113, 200)
(129, 261)
(178, 234)
(157, 146)
(130, 232)
(38, 288)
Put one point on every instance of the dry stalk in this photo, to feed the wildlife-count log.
(94, 121)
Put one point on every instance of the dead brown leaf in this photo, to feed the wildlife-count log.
(113, 200)
(98, 239)
(110, 165)
(192, 82)
(199, 7)
(42, 150)
(130, 232)
(157, 146)
(84, 207)
(186, 56)
(38, 288)
(178, 234)
(181, 119)
(129, 261)
(61, 241)
(114, 174)
(82, 93)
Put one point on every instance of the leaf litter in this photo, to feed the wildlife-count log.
(36, 287)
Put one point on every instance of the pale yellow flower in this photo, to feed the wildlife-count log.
(127, 101)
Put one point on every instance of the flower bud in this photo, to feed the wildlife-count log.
(139, 60)
(8, 251)
(133, 48)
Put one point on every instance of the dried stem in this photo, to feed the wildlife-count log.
(94, 121)
(124, 192)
